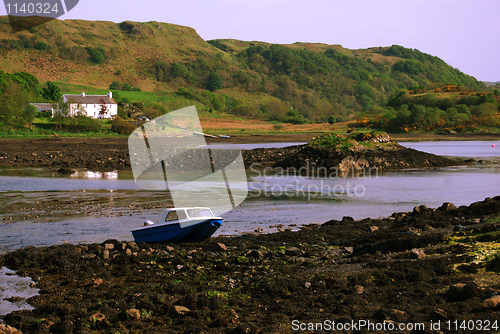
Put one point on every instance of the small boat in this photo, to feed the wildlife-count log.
(179, 225)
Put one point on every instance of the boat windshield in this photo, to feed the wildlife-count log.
(175, 215)
(193, 213)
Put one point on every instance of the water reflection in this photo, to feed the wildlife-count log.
(87, 174)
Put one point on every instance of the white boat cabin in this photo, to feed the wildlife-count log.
(184, 215)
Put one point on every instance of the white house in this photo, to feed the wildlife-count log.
(45, 109)
(92, 105)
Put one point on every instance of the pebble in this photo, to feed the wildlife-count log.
(97, 316)
(359, 289)
(492, 303)
(447, 206)
(176, 311)
(4, 329)
(217, 247)
(417, 253)
(133, 313)
(293, 251)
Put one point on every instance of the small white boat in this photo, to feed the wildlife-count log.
(179, 225)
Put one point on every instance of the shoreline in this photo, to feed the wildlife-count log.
(110, 154)
(411, 267)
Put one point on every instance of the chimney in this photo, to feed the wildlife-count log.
(83, 94)
(110, 94)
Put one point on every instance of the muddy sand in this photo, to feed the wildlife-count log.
(421, 268)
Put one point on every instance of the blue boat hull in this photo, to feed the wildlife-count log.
(173, 233)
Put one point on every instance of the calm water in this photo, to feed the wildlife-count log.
(458, 148)
(273, 199)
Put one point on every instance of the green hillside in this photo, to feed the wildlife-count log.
(289, 83)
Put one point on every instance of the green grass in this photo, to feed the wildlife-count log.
(345, 141)
(47, 130)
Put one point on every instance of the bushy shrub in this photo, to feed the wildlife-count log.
(41, 46)
(96, 54)
(118, 125)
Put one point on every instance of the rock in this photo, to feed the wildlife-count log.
(461, 291)
(307, 285)
(332, 222)
(105, 254)
(417, 253)
(109, 246)
(373, 228)
(293, 251)
(144, 253)
(133, 314)
(400, 216)
(84, 248)
(98, 281)
(359, 289)
(492, 303)
(133, 246)
(420, 209)
(447, 206)
(97, 317)
(128, 251)
(398, 315)
(347, 219)
(255, 253)
(349, 250)
(4, 329)
(170, 248)
(217, 247)
(176, 311)
(88, 256)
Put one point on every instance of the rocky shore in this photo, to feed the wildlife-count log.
(108, 154)
(424, 267)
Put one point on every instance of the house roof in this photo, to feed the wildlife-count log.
(43, 106)
(89, 99)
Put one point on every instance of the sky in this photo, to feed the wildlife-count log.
(463, 33)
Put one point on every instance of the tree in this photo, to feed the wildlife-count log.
(52, 92)
(331, 120)
(30, 113)
(103, 108)
(214, 82)
(61, 112)
(13, 100)
(276, 109)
